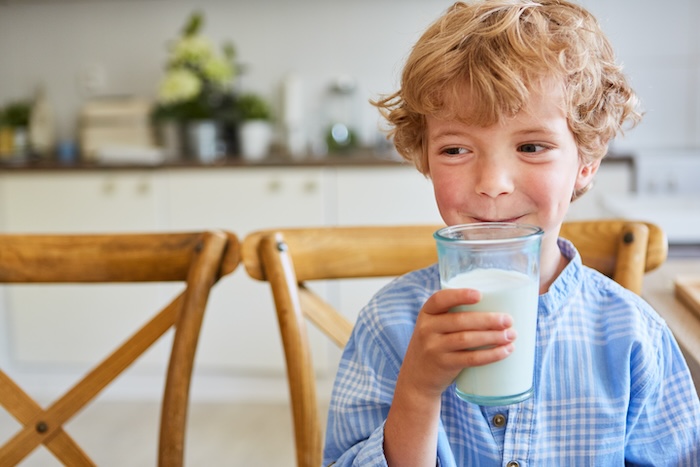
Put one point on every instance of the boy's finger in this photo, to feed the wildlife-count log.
(470, 340)
(470, 358)
(470, 321)
(480, 320)
(442, 300)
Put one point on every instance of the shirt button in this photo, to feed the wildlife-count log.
(499, 420)
(513, 464)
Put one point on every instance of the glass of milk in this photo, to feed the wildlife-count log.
(501, 260)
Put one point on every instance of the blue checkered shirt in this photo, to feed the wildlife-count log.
(611, 385)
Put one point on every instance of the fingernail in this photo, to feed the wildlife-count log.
(511, 334)
(506, 320)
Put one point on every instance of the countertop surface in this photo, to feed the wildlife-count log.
(658, 290)
(360, 158)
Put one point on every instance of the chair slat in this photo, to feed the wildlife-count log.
(96, 258)
(597, 242)
(355, 251)
(631, 256)
(201, 278)
(325, 317)
(300, 372)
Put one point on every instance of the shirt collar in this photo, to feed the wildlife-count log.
(563, 286)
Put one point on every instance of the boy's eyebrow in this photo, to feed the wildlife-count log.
(535, 130)
(448, 132)
(444, 133)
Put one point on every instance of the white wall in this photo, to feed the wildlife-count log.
(55, 42)
(659, 46)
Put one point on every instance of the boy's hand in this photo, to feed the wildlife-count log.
(440, 346)
(437, 352)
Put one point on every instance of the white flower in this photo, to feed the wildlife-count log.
(179, 85)
(217, 70)
(192, 50)
(195, 72)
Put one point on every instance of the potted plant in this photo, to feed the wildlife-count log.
(255, 128)
(195, 90)
(6, 137)
(15, 129)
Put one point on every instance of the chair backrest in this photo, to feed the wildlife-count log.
(196, 259)
(287, 258)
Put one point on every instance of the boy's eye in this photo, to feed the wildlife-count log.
(455, 151)
(530, 147)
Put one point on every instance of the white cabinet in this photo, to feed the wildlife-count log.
(240, 330)
(80, 201)
(240, 336)
(384, 195)
(94, 318)
(379, 196)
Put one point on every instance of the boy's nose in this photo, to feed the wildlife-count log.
(494, 178)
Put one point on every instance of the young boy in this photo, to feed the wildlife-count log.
(509, 106)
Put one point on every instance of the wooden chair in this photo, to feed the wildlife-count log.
(196, 259)
(288, 258)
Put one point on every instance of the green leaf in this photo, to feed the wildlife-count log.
(194, 24)
(254, 107)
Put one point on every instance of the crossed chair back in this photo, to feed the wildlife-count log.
(196, 259)
(289, 258)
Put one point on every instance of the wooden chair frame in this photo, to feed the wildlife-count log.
(287, 258)
(198, 259)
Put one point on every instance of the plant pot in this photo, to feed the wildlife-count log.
(14, 142)
(204, 141)
(7, 142)
(171, 137)
(255, 138)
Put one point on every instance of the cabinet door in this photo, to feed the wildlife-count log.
(240, 330)
(68, 326)
(80, 202)
(379, 196)
(384, 195)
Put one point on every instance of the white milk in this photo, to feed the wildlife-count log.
(507, 292)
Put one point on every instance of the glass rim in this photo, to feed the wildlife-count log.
(529, 231)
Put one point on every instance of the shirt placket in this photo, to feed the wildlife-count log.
(511, 429)
(518, 435)
(497, 418)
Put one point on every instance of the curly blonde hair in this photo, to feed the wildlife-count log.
(500, 49)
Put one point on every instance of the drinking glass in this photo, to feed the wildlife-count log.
(501, 260)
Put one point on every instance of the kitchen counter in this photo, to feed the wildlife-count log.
(658, 290)
(359, 158)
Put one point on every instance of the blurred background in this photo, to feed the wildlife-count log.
(94, 71)
(86, 145)
(81, 49)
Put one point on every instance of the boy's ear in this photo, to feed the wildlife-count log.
(586, 172)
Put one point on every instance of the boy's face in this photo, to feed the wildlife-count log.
(522, 169)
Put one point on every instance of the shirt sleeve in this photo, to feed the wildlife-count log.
(364, 386)
(368, 370)
(664, 413)
(360, 402)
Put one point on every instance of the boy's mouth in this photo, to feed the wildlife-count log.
(510, 220)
